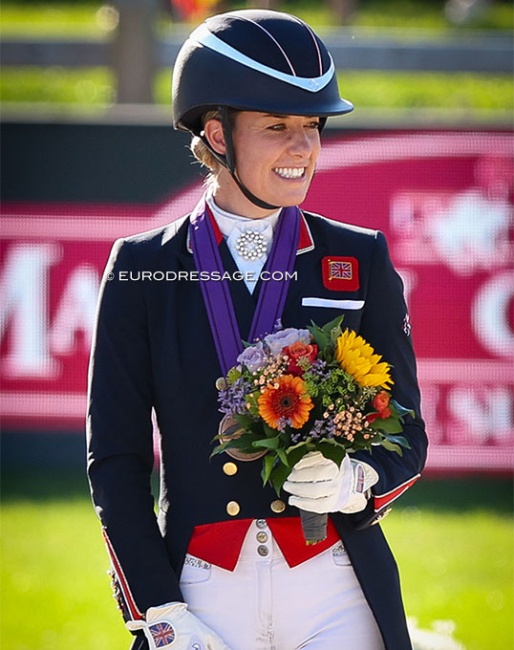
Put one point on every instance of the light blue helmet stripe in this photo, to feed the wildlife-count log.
(204, 37)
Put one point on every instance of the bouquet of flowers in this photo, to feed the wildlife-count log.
(302, 390)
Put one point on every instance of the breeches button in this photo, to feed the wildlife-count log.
(263, 550)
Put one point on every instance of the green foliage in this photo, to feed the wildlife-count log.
(327, 334)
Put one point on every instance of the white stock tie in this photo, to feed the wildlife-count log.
(250, 243)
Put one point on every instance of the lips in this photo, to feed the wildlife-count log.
(290, 172)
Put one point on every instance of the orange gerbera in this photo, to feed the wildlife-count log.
(285, 399)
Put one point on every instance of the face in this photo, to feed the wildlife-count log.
(276, 158)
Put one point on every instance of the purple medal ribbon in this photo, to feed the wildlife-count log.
(218, 300)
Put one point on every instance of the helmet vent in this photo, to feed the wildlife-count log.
(311, 34)
(274, 41)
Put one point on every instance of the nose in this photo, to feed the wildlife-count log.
(303, 142)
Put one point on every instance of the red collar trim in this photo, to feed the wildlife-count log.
(305, 240)
(217, 232)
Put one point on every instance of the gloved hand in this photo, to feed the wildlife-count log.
(173, 627)
(317, 484)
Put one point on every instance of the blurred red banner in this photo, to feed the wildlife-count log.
(444, 201)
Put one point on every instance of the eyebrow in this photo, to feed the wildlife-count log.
(282, 116)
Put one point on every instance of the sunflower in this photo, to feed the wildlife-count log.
(358, 359)
(285, 400)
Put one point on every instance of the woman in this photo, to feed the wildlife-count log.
(224, 565)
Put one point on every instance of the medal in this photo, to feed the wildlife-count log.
(231, 429)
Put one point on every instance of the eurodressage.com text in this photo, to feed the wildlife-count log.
(201, 276)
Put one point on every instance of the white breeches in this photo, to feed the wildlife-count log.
(266, 605)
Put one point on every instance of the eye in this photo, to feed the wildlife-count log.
(279, 126)
(314, 124)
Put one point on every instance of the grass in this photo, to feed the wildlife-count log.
(53, 567)
(453, 541)
(458, 568)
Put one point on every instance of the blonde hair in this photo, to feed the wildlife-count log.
(200, 150)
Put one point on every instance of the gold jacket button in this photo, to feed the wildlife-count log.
(230, 469)
(262, 537)
(278, 506)
(233, 508)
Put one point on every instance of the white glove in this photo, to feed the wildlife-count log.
(173, 627)
(317, 484)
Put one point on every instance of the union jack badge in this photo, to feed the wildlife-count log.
(359, 479)
(340, 273)
(162, 633)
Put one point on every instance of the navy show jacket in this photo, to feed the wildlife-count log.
(154, 352)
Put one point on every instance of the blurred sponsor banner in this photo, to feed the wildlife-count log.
(445, 203)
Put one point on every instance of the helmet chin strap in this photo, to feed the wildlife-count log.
(251, 197)
(229, 161)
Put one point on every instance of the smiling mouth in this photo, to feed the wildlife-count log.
(290, 172)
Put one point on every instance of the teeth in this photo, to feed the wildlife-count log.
(290, 172)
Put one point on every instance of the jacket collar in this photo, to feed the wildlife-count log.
(305, 240)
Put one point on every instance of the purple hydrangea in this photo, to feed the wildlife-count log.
(253, 357)
(281, 339)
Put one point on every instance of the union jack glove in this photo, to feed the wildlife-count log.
(318, 485)
(173, 627)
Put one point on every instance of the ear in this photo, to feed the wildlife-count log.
(215, 137)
